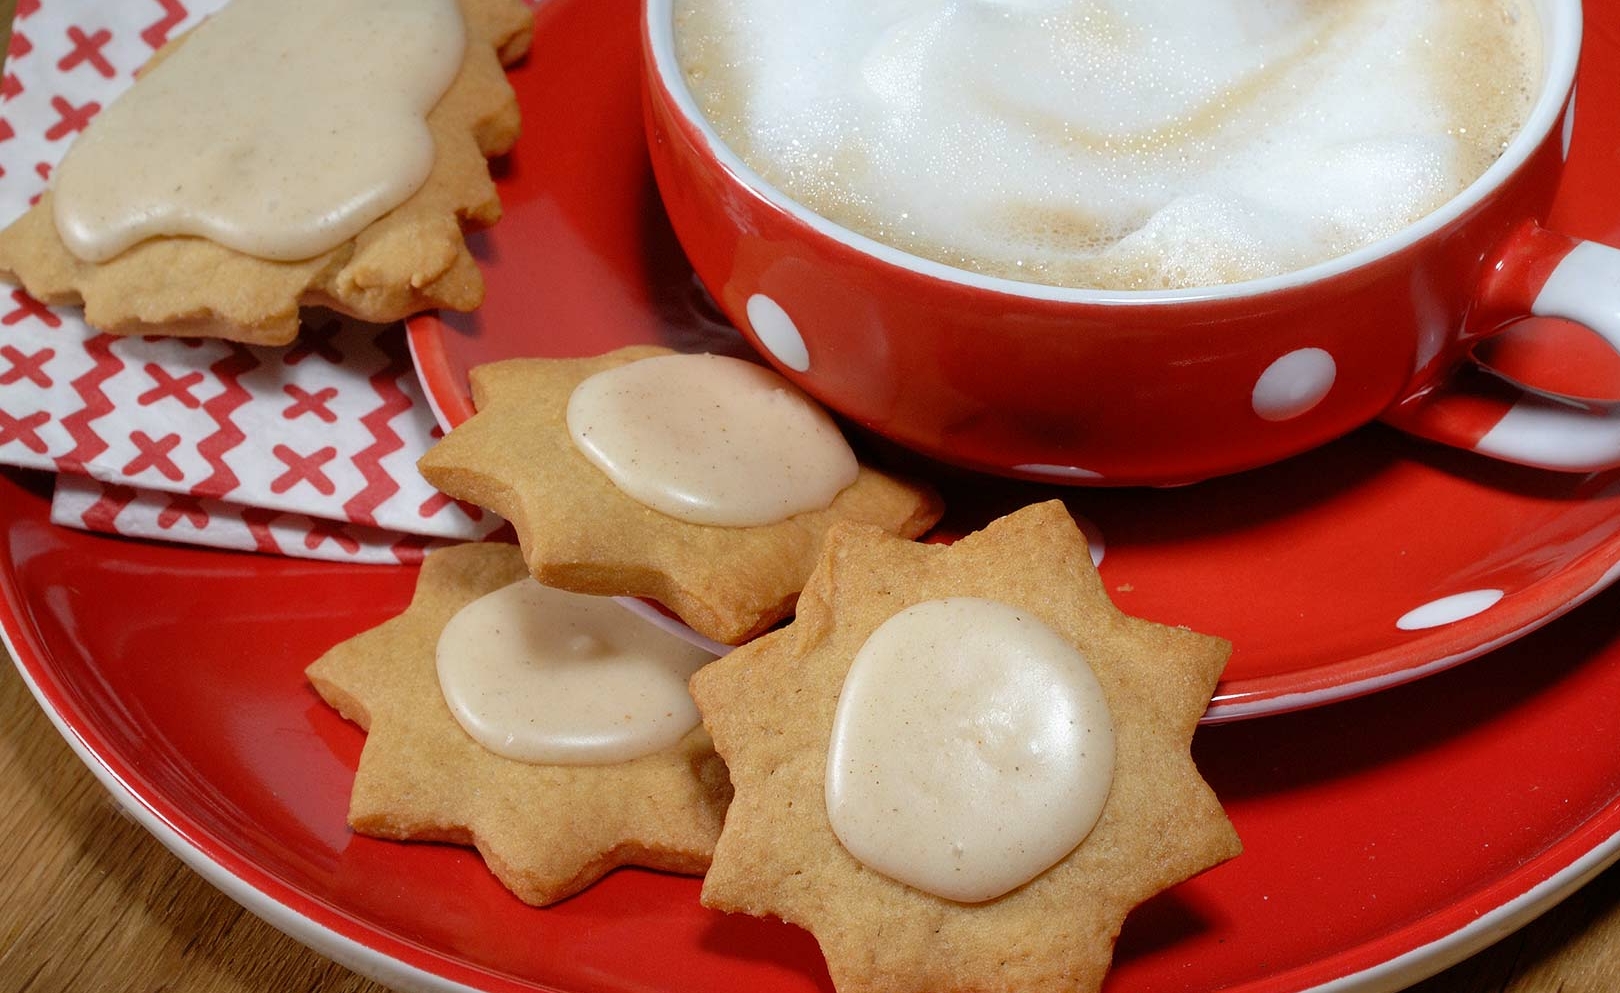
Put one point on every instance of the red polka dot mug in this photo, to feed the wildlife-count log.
(1155, 387)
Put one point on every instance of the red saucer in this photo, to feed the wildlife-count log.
(1353, 568)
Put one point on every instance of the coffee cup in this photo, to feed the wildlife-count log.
(1158, 387)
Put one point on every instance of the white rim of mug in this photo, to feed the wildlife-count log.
(1561, 45)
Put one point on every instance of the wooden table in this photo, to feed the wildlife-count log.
(90, 902)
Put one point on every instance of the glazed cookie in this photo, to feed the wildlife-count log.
(961, 766)
(546, 828)
(410, 258)
(639, 523)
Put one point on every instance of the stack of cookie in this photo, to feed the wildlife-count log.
(944, 744)
(155, 222)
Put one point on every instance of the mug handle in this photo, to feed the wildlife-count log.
(1538, 273)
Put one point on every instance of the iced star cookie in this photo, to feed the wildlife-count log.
(285, 153)
(611, 767)
(961, 766)
(704, 483)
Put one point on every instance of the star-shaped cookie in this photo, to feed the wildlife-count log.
(579, 532)
(546, 831)
(412, 258)
(770, 706)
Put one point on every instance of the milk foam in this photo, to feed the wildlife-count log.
(1116, 143)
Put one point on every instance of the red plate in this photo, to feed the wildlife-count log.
(1356, 567)
(1385, 837)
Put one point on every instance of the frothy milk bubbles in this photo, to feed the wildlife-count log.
(1116, 144)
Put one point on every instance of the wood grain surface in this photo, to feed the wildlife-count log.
(90, 902)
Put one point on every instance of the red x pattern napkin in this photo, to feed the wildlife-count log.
(86, 503)
(307, 451)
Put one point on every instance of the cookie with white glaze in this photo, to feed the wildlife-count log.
(580, 532)
(546, 831)
(413, 258)
(770, 706)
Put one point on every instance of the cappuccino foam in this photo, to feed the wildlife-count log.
(1119, 144)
